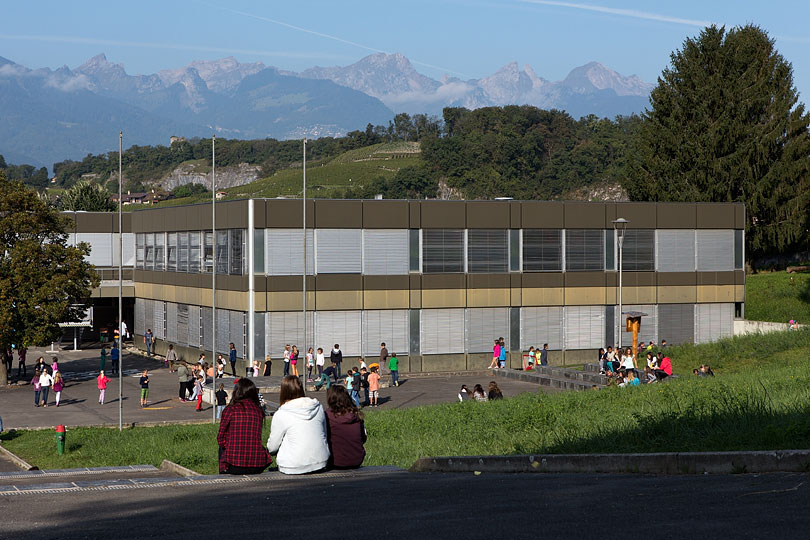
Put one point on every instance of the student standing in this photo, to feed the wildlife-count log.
(393, 366)
(544, 355)
(103, 363)
(320, 360)
(182, 378)
(222, 400)
(310, 363)
(232, 358)
(144, 382)
(287, 359)
(102, 381)
(21, 353)
(171, 358)
(58, 386)
(45, 382)
(502, 357)
(294, 360)
(496, 354)
(37, 387)
(336, 356)
(383, 356)
(115, 357)
(149, 341)
(374, 386)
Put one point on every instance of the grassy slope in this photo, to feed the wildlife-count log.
(760, 399)
(777, 297)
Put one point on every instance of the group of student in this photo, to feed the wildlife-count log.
(622, 366)
(478, 393)
(303, 437)
(45, 378)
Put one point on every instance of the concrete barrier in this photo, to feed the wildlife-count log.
(657, 463)
(744, 327)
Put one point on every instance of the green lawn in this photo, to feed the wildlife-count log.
(777, 297)
(760, 399)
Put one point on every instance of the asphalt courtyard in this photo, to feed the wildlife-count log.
(79, 404)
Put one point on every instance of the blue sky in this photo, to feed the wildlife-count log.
(469, 39)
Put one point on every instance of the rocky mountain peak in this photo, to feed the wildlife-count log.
(595, 76)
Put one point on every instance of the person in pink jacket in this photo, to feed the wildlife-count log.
(664, 367)
(102, 386)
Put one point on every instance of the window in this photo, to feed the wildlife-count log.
(584, 250)
(584, 327)
(342, 327)
(676, 323)
(542, 250)
(675, 250)
(514, 250)
(182, 250)
(237, 252)
(140, 240)
(414, 250)
(194, 252)
(193, 326)
(442, 251)
(160, 240)
(484, 325)
(171, 252)
(540, 325)
(284, 252)
(285, 328)
(385, 252)
(442, 331)
(610, 249)
(739, 250)
(715, 250)
(258, 256)
(638, 250)
(487, 251)
(101, 248)
(149, 252)
(208, 253)
(713, 321)
(339, 251)
(222, 252)
(159, 320)
(389, 326)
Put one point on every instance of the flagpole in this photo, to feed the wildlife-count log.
(213, 279)
(304, 350)
(120, 285)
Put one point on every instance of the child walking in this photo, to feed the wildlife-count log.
(222, 399)
(198, 389)
(310, 363)
(102, 381)
(374, 386)
(37, 387)
(58, 386)
(144, 381)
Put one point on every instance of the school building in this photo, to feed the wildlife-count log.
(437, 281)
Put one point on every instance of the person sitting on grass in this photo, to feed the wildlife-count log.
(464, 394)
(649, 375)
(478, 393)
(632, 380)
(494, 392)
(664, 367)
(346, 431)
(240, 432)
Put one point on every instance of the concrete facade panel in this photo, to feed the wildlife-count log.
(443, 215)
(337, 214)
(444, 298)
(545, 296)
(715, 293)
(715, 216)
(444, 362)
(382, 299)
(488, 215)
(542, 215)
(338, 300)
(677, 294)
(676, 215)
(386, 215)
(585, 296)
(584, 215)
(488, 297)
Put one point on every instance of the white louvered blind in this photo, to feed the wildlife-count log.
(223, 330)
(128, 242)
(675, 250)
(442, 331)
(237, 332)
(649, 324)
(101, 248)
(542, 250)
(713, 321)
(287, 327)
(342, 327)
(385, 252)
(140, 316)
(148, 315)
(193, 326)
(159, 320)
(339, 251)
(207, 328)
(584, 250)
(484, 325)
(487, 251)
(389, 326)
(715, 250)
(540, 325)
(676, 323)
(182, 324)
(171, 322)
(584, 327)
(284, 253)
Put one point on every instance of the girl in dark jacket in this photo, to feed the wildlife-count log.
(345, 431)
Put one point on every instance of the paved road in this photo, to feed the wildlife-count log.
(80, 398)
(408, 506)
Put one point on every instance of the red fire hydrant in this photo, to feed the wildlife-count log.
(60, 439)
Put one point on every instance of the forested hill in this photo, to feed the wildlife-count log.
(516, 151)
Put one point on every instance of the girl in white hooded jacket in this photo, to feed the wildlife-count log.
(298, 431)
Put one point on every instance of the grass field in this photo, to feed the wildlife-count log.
(760, 399)
(777, 297)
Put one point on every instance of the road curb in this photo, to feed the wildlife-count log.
(17, 460)
(172, 467)
(669, 463)
(127, 425)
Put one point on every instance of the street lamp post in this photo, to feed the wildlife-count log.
(120, 284)
(620, 226)
(304, 282)
(213, 279)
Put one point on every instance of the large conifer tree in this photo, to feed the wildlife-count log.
(725, 124)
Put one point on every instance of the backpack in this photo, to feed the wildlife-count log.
(357, 382)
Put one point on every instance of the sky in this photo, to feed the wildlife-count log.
(463, 38)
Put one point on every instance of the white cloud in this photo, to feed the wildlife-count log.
(632, 13)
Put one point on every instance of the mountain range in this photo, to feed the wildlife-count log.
(53, 115)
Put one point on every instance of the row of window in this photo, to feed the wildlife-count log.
(430, 251)
(434, 331)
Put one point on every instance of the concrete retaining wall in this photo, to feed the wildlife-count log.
(744, 327)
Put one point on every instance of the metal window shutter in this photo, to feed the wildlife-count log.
(584, 327)
(385, 252)
(182, 324)
(339, 251)
(713, 322)
(442, 331)
(237, 332)
(442, 250)
(236, 245)
(676, 323)
(171, 322)
(484, 325)
(101, 248)
(287, 327)
(649, 324)
(715, 250)
(487, 251)
(140, 316)
(193, 326)
(207, 328)
(148, 316)
(540, 325)
(160, 251)
(284, 252)
(389, 326)
(258, 336)
(584, 249)
(223, 330)
(638, 251)
(542, 250)
(159, 320)
(341, 327)
(675, 251)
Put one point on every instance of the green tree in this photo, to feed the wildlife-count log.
(89, 197)
(725, 124)
(42, 279)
